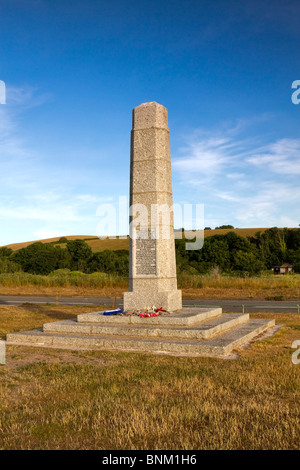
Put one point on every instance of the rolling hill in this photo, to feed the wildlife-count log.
(123, 244)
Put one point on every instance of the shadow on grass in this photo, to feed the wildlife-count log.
(54, 313)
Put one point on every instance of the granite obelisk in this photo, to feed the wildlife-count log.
(152, 262)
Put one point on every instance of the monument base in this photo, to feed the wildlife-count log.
(192, 331)
(168, 300)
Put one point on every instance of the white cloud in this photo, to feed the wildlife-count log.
(206, 157)
(50, 206)
(18, 100)
(282, 156)
(273, 203)
(9, 143)
(234, 178)
(34, 200)
(91, 198)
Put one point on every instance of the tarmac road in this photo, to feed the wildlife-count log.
(228, 305)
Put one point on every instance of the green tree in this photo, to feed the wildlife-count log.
(80, 253)
(5, 252)
(247, 262)
(225, 227)
(8, 266)
(110, 261)
(41, 258)
(62, 240)
(37, 258)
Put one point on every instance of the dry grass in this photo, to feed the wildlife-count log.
(55, 399)
(70, 283)
(70, 290)
(267, 287)
(202, 286)
(18, 246)
(95, 243)
(31, 316)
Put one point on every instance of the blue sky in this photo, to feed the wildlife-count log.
(75, 69)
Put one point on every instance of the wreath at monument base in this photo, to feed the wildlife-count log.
(143, 313)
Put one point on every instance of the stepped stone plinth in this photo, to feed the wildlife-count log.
(196, 331)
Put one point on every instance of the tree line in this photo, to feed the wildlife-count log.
(231, 253)
(44, 258)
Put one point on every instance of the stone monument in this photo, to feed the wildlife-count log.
(152, 263)
(152, 277)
